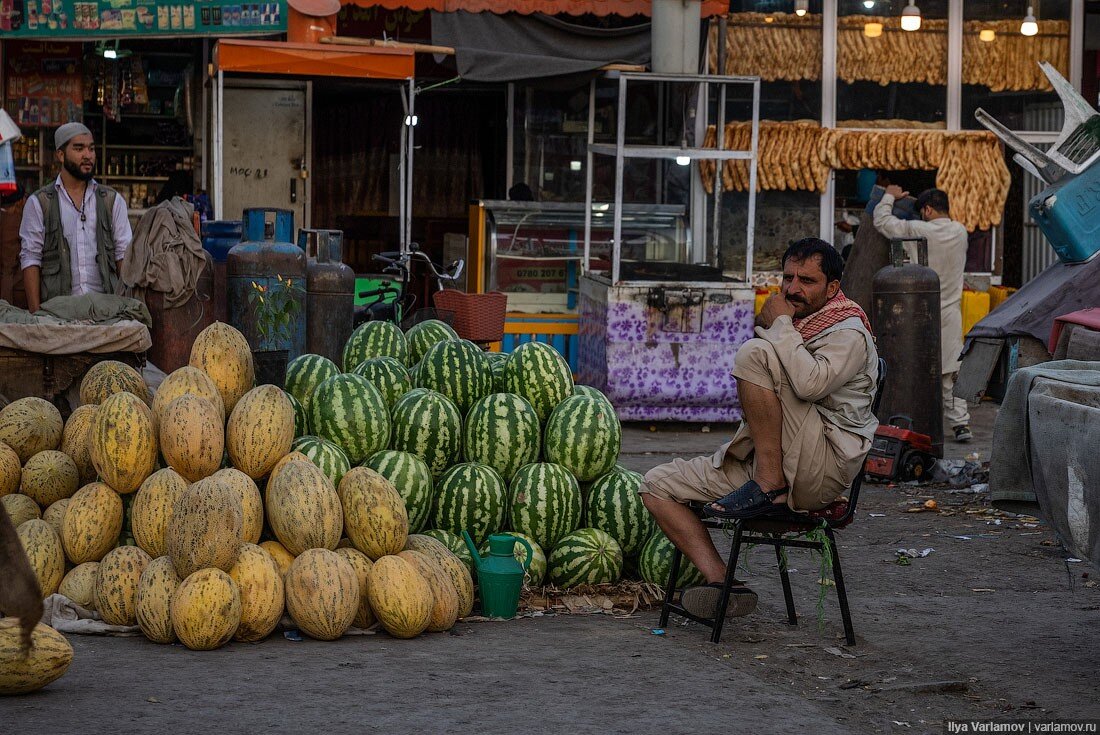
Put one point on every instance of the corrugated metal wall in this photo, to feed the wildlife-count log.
(1037, 252)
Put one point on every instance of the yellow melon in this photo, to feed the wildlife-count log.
(29, 426)
(49, 476)
(20, 508)
(205, 530)
(400, 597)
(444, 594)
(260, 430)
(43, 549)
(92, 523)
(153, 609)
(291, 457)
(76, 441)
(116, 584)
(283, 558)
(11, 470)
(55, 515)
(79, 584)
(48, 659)
(361, 563)
(374, 513)
(303, 508)
(206, 610)
(252, 507)
(108, 377)
(192, 438)
(261, 588)
(223, 354)
(187, 380)
(151, 511)
(322, 594)
(452, 566)
(124, 444)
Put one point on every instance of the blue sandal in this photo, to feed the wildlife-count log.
(747, 501)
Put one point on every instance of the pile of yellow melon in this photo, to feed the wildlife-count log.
(190, 463)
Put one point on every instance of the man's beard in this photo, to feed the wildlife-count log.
(76, 173)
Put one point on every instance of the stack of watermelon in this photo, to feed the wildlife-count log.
(483, 442)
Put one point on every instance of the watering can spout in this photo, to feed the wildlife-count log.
(473, 549)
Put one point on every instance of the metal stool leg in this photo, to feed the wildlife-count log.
(670, 586)
(841, 593)
(731, 573)
(788, 595)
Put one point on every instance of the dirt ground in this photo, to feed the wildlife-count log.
(994, 623)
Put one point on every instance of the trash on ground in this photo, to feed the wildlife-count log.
(959, 472)
(914, 554)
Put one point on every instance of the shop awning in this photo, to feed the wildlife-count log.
(527, 7)
(313, 60)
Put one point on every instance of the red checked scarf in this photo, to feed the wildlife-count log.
(836, 310)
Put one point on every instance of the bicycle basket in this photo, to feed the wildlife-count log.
(479, 317)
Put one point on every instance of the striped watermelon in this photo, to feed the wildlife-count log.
(413, 480)
(328, 457)
(655, 562)
(497, 361)
(455, 544)
(458, 370)
(350, 412)
(614, 505)
(538, 373)
(584, 435)
(375, 339)
(586, 556)
(470, 497)
(301, 417)
(536, 573)
(544, 503)
(305, 373)
(502, 431)
(423, 335)
(427, 424)
(587, 390)
(388, 375)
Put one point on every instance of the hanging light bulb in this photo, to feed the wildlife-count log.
(683, 160)
(987, 34)
(910, 17)
(868, 4)
(801, 7)
(1029, 27)
(769, 18)
(872, 30)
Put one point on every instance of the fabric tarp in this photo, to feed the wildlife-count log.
(512, 47)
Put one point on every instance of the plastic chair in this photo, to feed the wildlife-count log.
(779, 533)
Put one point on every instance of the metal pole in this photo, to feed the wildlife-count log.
(1076, 43)
(954, 64)
(750, 236)
(510, 154)
(409, 158)
(720, 141)
(205, 76)
(721, 47)
(588, 176)
(620, 139)
(828, 105)
(219, 106)
(402, 174)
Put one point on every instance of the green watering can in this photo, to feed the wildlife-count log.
(500, 575)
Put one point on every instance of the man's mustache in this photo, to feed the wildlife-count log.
(796, 299)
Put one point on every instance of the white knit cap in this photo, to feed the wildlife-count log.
(67, 132)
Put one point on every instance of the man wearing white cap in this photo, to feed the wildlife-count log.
(75, 231)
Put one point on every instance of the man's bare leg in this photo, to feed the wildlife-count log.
(687, 532)
(764, 415)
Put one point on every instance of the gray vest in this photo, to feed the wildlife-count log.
(849, 407)
(57, 275)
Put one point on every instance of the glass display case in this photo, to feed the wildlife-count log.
(533, 251)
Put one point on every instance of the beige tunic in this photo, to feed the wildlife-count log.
(947, 246)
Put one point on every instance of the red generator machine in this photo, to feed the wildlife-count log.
(899, 455)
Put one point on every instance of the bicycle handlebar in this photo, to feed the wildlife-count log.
(401, 260)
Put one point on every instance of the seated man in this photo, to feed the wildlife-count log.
(806, 384)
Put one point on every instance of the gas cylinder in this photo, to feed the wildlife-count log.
(266, 255)
(330, 293)
(218, 238)
(906, 320)
(174, 329)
